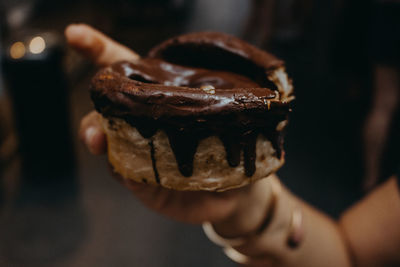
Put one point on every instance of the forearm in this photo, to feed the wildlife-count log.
(323, 244)
(372, 227)
(320, 244)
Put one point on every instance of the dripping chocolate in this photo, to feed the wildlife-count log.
(166, 91)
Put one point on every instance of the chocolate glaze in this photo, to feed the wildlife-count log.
(153, 161)
(164, 92)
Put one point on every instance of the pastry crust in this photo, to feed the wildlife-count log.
(151, 160)
(195, 96)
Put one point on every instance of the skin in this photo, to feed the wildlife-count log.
(367, 234)
(180, 205)
(385, 104)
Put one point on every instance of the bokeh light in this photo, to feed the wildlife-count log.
(37, 45)
(17, 50)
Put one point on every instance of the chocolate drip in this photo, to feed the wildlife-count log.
(153, 161)
(144, 127)
(185, 135)
(249, 152)
(184, 145)
(164, 92)
(276, 139)
(232, 148)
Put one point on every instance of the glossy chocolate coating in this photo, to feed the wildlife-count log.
(195, 86)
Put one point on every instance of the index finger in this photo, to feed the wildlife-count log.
(96, 46)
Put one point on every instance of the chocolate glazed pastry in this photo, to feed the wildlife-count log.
(204, 111)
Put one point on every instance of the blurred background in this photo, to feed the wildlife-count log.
(60, 207)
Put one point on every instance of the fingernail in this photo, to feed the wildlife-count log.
(75, 32)
(89, 134)
(71, 29)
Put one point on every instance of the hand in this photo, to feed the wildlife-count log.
(244, 206)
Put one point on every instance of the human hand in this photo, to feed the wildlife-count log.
(243, 206)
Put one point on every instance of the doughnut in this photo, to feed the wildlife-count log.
(202, 111)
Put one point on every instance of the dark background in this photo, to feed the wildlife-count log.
(59, 205)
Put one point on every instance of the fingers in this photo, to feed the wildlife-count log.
(185, 206)
(92, 135)
(96, 46)
(102, 51)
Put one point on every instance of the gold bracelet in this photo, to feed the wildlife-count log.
(236, 256)
(219, 240)
(294, 239)
(295, 235)
(229, 243)
(235, 242)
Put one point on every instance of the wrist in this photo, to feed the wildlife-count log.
(243, 234)
(250, 213)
